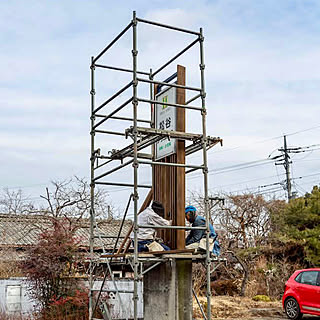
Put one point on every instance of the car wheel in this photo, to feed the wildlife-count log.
(292, 309)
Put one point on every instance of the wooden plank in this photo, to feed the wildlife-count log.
(176, 251)
(121, 255)
(145, 205)
(180, 184)
(116, 255)
(169, 182)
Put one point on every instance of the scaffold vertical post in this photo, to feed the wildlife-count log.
(135, 162)
(92, 161)
(151, 94)
(205, 173)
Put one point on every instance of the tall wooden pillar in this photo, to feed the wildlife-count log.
(169, 182)
(181, 158)
(168, 287)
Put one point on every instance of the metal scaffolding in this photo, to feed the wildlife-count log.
(143, 137)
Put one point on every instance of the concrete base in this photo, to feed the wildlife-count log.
(167, 291)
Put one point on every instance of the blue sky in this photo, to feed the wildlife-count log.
(262, 78)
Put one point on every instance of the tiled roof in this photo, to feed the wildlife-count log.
(18, 231)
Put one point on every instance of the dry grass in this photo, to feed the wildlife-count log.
(227, 307)
(199, 278)
(3, 316)
(9, 270)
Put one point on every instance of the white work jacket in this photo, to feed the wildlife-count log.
(149, 217)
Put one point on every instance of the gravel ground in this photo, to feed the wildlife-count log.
(305, 317)
(237, 308)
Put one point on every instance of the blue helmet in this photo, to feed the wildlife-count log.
(190, 209)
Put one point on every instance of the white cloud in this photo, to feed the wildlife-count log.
(262, 78)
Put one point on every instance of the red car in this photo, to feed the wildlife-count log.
(302, 294)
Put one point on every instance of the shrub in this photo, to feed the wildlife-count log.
(71, 307)
(261, 297)
(51, 266)
(224, 287)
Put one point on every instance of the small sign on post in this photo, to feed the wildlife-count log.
(166, 119)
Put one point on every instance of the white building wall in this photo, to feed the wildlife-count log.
(14, 297)
(121, 305)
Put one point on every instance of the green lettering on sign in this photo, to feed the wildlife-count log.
(164, 99)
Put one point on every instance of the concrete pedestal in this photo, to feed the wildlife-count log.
(167, 291)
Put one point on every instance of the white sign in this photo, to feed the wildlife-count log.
(166, 119)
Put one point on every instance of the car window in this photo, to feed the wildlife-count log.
(308, 277)
(298, 277)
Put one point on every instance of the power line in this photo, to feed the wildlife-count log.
(235, 167)
(264, 140)
(241, 182)
(25, 186)
(271, 190)
(304, 130)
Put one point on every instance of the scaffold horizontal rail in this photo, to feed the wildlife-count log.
(166, 133)
(180, 165)
(211, 142)
(171, 104)
(116, 133)
(113, 170)
(123, 118)
(175, 57)
(141, 254)
(120, 69)
(168, 26)
(152, 136)
(193, 98)
(147, 226)
(140, 155)
(105, 236)
(113, 97)
(169, 84)
(112, 42)
(119, 184)
(113, 290)
(128, 151)
(112, 113)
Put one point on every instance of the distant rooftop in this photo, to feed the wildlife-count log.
(21, 231)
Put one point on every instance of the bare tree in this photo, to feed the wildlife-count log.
(246, 218)
(71, 198)
(15, 202)
(196, 199)
(68, 198)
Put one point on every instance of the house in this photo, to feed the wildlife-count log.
(20, 232)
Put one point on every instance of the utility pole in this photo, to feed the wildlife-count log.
(287, 168)
(284, 160)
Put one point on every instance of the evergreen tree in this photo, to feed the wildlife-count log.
(301, 219)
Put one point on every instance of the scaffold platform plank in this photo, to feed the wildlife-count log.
(150, 253)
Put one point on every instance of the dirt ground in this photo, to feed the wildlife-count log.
(237, 308)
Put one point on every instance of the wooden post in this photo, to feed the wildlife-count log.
(169, 182)
(181, 155)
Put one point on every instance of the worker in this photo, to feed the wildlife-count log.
(146, 236)
(196, 239)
